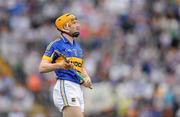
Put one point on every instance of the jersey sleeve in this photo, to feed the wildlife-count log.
(49, 53)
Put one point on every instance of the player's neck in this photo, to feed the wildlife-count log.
(68, 37)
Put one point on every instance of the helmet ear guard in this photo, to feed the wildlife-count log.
(65, 28)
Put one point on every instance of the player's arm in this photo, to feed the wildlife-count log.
(87, 79)
(46, 66)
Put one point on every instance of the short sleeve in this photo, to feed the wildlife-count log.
(49, 53)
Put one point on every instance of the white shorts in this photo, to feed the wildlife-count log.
(67, 93)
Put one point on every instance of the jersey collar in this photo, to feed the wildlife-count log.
(66, 40)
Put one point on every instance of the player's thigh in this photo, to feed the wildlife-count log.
(72, 111)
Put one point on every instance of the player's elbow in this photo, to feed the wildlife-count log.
(44, 67)
(41, 69)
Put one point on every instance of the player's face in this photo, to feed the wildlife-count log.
(75, 28)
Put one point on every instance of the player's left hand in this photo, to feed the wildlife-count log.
(87, 82)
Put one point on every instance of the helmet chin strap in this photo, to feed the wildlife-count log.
(75, 34)
(66, 33)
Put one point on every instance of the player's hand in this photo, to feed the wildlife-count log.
(65, 65)
(87, 82)
(68, 65)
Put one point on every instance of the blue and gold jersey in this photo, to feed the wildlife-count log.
(74, 54)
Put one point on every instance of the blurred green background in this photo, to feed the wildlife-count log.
(131, 52)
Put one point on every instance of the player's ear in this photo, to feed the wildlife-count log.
(66, 27)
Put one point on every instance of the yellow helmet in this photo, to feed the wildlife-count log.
(62, 20)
